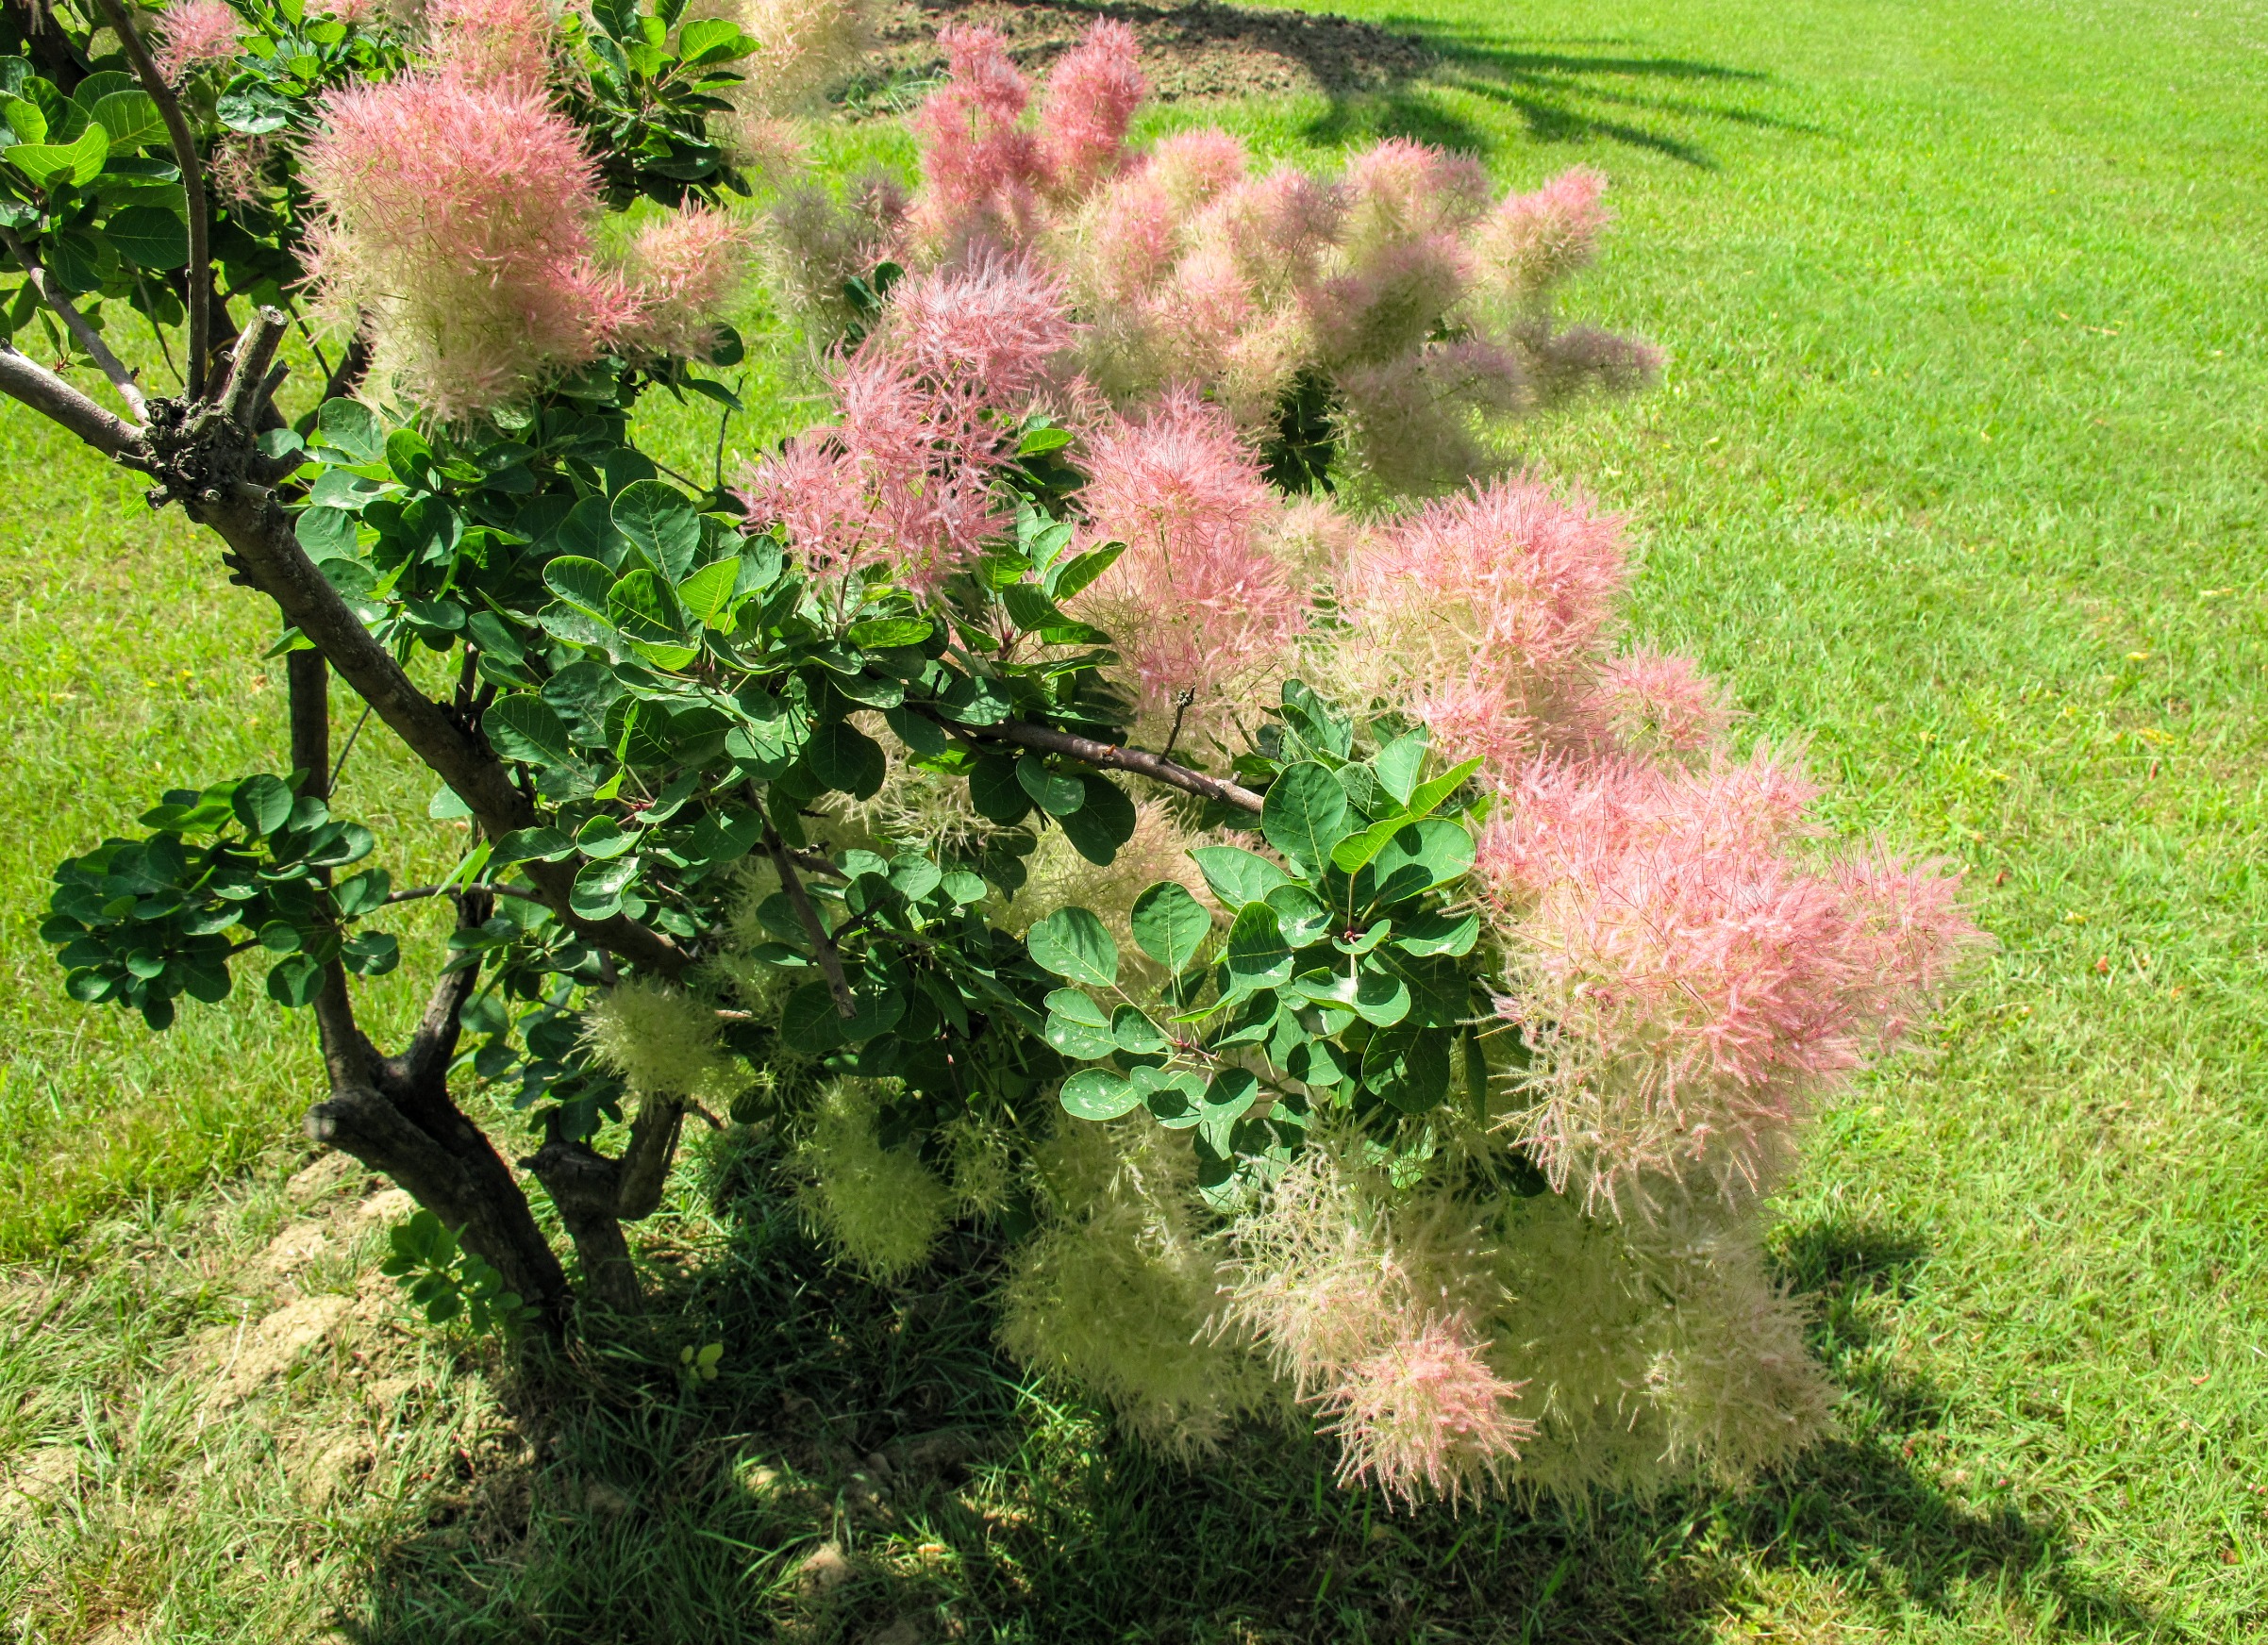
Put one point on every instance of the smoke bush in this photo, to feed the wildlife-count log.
(1412, 1054)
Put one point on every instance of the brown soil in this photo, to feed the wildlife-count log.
(1197, 49)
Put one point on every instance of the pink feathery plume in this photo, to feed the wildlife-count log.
(929, 405)
(1195, 602)
(813, 488)
(1400, 189)
(492, 42)
(1425, 1417)
(1088, 105)
(1652, 700)
(1488, 607)
(1532, 241)
(457, 226)
(1192, 167)
(193, 33)
(1690, 989)
(683, 273)
(983, 170)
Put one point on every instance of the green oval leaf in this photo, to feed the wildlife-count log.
(1093, 1094)
(149, 236)
(600, 885)
(1052, 792)
(842, 756)
(1170, 925)
(661, 522)
(1305, 814)
(523, 726)
(1073, 943)
(1236, 875)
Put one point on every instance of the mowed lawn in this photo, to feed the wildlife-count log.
(1958, 476)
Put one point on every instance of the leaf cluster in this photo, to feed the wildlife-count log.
(1339, 981)
(143, 922)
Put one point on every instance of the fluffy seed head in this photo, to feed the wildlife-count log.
(1196, 605)
(661, 1040)
(492, 42)
(1652, 702)
(1425, 1416)
(1486, 608)
(1530, 242)
(457, 226)
(193, 33)
(1089, 100)
(683, 272)
(881, 1207)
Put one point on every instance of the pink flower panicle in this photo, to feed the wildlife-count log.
(1488, 607)
(927, 400)
(458, 226)
(1532, 241)
(1089, 103)
(492, 42)
(683, 272)
(193, 33)
(1690, 987)
(1651, 701)
(1195, 602)
(458, 222)
(1425, 1417)
(982, 167)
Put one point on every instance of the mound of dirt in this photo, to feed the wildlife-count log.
(1198, 49)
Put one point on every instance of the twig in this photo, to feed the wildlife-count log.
(25, 379)
(192, 187)
(165, 350)
(347, 748)
(830, 961)
(243, 384)
(1182, 699)
(417, 892)
(89, 338)
(1107, 756)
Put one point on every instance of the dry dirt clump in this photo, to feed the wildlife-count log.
(1197, 49)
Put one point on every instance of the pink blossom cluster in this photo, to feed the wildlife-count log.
(1423, 299)
(1201, 613)
(458, 219)
(928, 408)
(194, 32)
(1688, 983)
(987, 178)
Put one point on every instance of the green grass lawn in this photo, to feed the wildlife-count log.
(1958, 476)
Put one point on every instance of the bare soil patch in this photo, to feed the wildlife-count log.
(1198, 49)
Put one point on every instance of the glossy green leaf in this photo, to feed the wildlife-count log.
(149, 236)
(842, 756)
(1095, 1094)
(1054, 792)
(523, 726)
(1103, 823)
(709, 591)
(1076, 1026)
(1170, 925)
(48, 165)
(1074, 944)
(262, 804)
(1256, 954)
(657, 519)
(1305, 814)
(600, 885)
(130, 120)
(1399, 762)
(1236, 875)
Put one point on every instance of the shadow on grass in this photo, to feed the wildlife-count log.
(865, 1467)
(1566, 95)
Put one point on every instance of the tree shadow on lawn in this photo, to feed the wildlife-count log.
(1567, 92)
(865, 1467)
